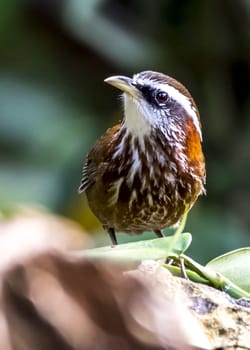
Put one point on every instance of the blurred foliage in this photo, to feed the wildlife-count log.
(53, 104)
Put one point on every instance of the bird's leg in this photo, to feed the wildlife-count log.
(159, 233)
(111, 232)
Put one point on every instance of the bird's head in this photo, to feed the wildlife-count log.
(154, 101)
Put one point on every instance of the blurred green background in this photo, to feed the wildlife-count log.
(54, 56)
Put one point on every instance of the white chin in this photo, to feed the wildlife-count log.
(136, 118)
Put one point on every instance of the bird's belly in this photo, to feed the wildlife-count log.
(135, 209)
(148, 213)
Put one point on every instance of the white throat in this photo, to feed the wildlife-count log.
(135, 117)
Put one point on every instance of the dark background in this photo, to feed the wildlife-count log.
(54, 56)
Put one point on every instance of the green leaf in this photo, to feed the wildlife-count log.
(234, 265)
(143, 250)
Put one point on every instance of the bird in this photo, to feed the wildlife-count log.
(147, 171)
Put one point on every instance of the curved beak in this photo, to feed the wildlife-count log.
(124, 84)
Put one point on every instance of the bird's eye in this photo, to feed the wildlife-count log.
(161, 97)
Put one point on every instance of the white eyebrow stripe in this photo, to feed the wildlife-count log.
(185, 102)
(178, 97)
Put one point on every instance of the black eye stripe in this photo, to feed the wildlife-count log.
(147, 92)
(155, 97)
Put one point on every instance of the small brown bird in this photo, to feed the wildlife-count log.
(145, 172)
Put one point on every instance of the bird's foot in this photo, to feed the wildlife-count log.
(111, 232)
(159, 233)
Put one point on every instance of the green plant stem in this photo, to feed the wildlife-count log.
(178, 232)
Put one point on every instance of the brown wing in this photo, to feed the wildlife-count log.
(88, 175)
(96, 158)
